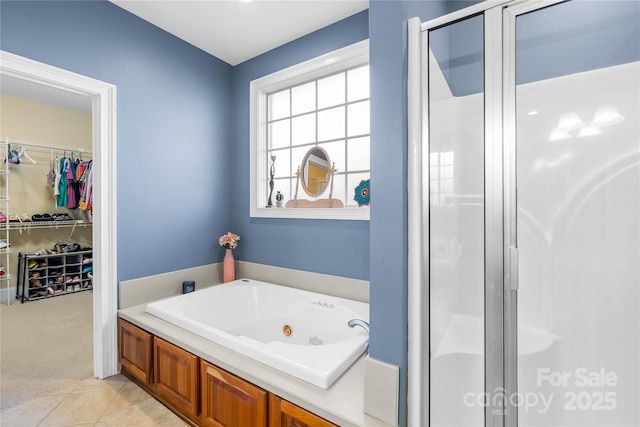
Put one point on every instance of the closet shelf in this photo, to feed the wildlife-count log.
(49, 224)
(48, 147)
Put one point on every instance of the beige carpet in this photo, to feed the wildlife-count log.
(45, 345)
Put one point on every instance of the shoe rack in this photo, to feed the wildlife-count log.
(49, 275)
(5, 248)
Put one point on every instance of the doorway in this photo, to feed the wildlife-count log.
(529, 205)
(103, 100)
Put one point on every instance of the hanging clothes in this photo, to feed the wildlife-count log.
(73, 183)
(86, 200)
(84, 177)
(72, 202)
(89, 188)
(62, 187)
(56, 183)
(51, 175)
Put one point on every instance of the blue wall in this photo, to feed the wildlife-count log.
(325, 246)
(172, 124)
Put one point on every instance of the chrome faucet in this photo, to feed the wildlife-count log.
(363, 324)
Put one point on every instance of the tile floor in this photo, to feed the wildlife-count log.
(115, 401)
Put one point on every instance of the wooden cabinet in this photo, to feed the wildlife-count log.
(202, 393)
(135, 347)
(229, 401)
(285, 414)
(176, 378)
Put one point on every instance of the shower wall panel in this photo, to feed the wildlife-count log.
(578, 236)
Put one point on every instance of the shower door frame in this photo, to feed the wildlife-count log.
(501, 250)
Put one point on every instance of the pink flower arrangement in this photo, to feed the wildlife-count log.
(229, 240)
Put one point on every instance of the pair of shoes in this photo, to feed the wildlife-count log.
(3, 244)
(24, 218)
(14, 218)
(40, 251)
(3, 217)
(61, 217)
(35, 280)
(41, 217)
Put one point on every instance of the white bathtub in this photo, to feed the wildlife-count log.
(302, 333)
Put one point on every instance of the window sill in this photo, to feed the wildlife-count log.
(356, 214)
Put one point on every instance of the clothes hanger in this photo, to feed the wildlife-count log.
(23, 152)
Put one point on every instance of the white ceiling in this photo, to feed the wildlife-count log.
(231, 30)
(234, 30)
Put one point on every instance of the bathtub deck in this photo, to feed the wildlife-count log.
(342, 403)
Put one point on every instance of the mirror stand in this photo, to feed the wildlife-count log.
(320, 203)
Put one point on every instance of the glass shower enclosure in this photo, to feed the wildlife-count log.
(532, 141)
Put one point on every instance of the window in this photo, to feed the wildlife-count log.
(322, 103)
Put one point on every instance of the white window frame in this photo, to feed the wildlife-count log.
(342, 59)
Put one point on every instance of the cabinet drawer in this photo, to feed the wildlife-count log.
(285, 414)
(176, 377)
(134, 347)
(229, 401)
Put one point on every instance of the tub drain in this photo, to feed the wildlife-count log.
(287, 331)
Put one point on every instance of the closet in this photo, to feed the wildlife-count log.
(44, 222)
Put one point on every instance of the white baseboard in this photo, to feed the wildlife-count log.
(12, 295)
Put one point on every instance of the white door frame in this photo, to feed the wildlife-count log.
(103, 96)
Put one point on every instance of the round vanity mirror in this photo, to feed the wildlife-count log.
(316, 171)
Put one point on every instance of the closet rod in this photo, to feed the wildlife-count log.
(47, 147)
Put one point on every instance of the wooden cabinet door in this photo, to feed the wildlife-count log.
(285, 414)
(229, 401)
(135, 347)
(176, 378)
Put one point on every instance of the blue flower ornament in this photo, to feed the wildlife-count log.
(362, 193)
